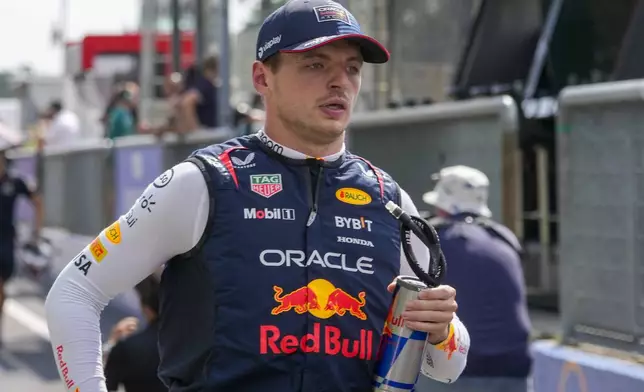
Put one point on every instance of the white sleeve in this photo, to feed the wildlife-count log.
(444, 361)
(168, 219)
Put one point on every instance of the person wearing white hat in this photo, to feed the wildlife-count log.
(460, 189)
(484, 266)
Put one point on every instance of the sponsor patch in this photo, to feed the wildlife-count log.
(328, 13)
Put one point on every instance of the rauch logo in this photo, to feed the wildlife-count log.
(353, 196)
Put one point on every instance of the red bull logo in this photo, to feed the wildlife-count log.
(449, 345)
(388, 330)
(321, 299)
(301, 300)
(64, 370)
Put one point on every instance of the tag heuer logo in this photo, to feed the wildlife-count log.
(266, 184)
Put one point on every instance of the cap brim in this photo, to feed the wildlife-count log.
(486, 212)
(372, 50)
(430, 198)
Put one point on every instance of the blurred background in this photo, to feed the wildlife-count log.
(543, 96)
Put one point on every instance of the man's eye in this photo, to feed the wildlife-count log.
(354, 70)
(316, 66)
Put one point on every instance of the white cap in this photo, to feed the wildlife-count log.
(460, 189)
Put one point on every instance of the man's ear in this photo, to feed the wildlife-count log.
(260, 77)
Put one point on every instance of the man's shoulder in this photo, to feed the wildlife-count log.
(14, 178)
(223, 158)
(218, 149)
(204, 86)
(367, 167)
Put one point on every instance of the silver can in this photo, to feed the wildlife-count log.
(401, 348)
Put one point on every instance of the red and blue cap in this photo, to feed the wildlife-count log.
(303, 25)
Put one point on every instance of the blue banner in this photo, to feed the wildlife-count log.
(564, 369)
(134, 168)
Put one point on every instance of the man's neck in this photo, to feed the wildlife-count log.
(279, 134)
(291, 151)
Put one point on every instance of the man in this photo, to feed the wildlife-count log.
(64, 126)
(11, 187)
(198, 105)
(133, 362)
(485, 268)
(280, 248)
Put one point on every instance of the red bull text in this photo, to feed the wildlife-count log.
(323, 300)
(401, 348)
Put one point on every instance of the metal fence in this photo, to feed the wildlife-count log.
(89, 185)
(413, 143)
(600, 152)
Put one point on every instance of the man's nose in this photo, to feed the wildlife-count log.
(339, 79)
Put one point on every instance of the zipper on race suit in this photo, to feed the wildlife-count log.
(317, 175)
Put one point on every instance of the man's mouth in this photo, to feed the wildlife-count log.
(335, 106)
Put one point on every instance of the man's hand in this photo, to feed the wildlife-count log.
(123, 329)
(432, 312)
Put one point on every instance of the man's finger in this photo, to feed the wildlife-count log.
(437, 304)
(440, 292)
(428, 316)
(432, 328)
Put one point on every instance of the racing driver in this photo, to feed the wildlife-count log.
(279, 253)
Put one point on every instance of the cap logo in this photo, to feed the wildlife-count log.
(315, 41)
(268, 44)
(328, 13)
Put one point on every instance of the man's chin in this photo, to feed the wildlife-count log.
(332, 127)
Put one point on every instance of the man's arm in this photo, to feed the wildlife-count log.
(446, 360)
(187, 117)
(115, 367)
(167, 220)
(30, 191)
(36, 201)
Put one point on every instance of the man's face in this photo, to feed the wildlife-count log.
(313, 92)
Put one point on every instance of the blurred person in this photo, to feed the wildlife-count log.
(246, 119)
(133, 361)
(12, 186)
(124, 328)
(485, 268)
(198, 105)
(134, 90)
(117, 88)
(64, 125)
(172, 88)
(239, 292)
(120, 121)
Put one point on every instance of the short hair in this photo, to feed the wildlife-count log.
(273, 62)
(56, 105)
(148, 291)
(210, 63)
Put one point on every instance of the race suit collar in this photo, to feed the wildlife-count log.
(293, 154)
